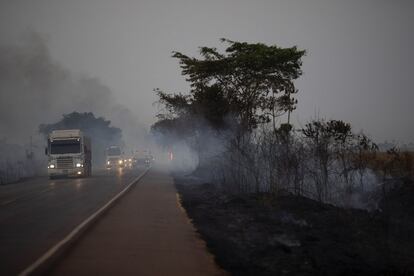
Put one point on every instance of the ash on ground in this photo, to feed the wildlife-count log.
(287, 235)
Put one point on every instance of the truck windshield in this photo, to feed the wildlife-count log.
(113, 152)
(65, 146)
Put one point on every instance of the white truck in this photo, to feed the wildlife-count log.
(114, 158)
(69, 153)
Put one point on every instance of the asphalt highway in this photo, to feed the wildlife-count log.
(36, 213)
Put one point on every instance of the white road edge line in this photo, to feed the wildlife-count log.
(75, 231)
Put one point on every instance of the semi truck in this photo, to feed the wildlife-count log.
(114, 158)
(69, 153)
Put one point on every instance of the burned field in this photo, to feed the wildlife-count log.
(287, 235)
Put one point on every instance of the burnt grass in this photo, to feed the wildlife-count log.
(262, 235)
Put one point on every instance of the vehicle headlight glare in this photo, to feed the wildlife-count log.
(120, 161)
(78, 165)
(108, 162)
(52, 166)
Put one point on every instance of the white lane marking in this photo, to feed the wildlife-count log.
(75, 231)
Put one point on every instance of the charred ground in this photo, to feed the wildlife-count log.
(258, 234)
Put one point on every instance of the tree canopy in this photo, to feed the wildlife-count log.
(255, 79)
(88, 123)
(248, 84)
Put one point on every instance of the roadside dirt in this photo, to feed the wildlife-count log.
(261, 235)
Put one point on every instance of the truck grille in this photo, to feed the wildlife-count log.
(64, 162)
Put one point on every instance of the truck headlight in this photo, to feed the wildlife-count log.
(120, 161)
(78, 165)
(108, 163)
(52, 166)
(130, 160)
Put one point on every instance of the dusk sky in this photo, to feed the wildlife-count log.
(358, 67)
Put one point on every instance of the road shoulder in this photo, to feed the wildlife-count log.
(145, 233)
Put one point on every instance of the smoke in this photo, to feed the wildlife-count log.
(268, 161)
(35, 89)
(17, 162)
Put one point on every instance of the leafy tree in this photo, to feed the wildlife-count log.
(175, 122)
(253, 79)
(249, 84)
(185, 114)
(169, 130)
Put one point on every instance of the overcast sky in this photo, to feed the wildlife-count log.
(359, 66)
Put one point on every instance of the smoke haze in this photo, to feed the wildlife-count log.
(35, 89)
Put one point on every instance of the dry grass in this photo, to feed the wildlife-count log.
(394, 163)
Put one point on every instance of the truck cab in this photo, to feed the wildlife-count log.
(114, 158)
(69, 153)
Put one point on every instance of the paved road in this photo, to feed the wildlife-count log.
(147, 232)
(37, 213)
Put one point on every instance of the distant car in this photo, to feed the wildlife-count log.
(129, 162)
(148, 160)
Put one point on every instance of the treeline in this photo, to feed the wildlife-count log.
(232, 117)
